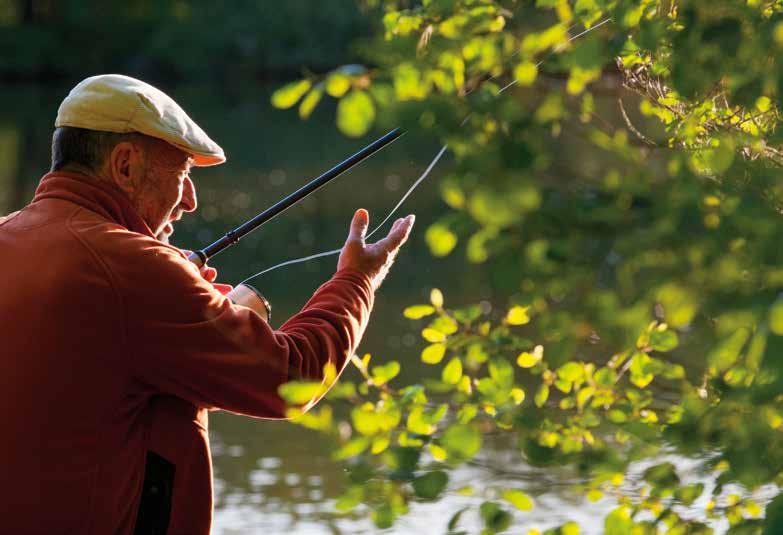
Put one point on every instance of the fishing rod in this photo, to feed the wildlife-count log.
(200, 257)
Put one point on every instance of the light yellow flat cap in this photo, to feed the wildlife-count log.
(117, 103)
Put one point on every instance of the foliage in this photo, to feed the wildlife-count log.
(640, 263)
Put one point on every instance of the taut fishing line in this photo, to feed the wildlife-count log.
(424, 174)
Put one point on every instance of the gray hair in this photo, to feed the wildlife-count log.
(88, 148)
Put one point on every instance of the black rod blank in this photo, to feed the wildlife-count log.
(233, 236)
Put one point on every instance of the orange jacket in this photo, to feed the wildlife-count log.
(112, 348)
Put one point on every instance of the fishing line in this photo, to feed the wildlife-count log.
(426, 171)
(376, 229)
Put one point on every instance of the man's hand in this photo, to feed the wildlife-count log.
(375, 259)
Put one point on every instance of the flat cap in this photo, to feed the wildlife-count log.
(117, 103)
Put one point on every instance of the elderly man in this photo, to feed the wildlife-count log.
(115, 346)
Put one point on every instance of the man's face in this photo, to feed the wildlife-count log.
(166, 190)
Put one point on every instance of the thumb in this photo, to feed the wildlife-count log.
(359, 223)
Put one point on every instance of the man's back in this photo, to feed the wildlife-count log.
(70, 424)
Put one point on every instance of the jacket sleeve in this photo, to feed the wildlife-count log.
(186, 339)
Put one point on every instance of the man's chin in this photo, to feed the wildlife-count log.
(165, 233)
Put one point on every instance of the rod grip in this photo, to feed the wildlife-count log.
(199, 258)
(247, 296)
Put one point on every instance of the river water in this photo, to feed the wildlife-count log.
(270, 476)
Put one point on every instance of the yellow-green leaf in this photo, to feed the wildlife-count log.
(289, 94)
(541, 396)
(433, 335)
(528, 360)
(433, 354)
(440, 239)
(436, 298)
(300, 392)
(776, 318)
(355, 113)
(416, 312)
(525, 73)
(310, 102)
(518, 499)
(517, 315)
(337, 84)
(452, 372)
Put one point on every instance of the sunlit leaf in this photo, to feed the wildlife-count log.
(355, 113)
(432, 335)
(518, 499)
(452, 372)
(310, 102)
(433, 354)
(436, 298)
(418, 311)
(337, 84)
(517, 315)
(440, 239)
(289, 94)
(300, 392)
(542, 394)
(525, 73)
(385, 373)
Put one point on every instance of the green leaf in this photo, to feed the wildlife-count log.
(355, 113)
(385, 373)
(495, 518)
(452, 372)
(541, 395)
(310, 101)
(618, 522)
(429, 486)
(714, 160)
(364, 420)
(433, 354)
(455, 518)
(571, 371)
(337, 84)
(728, 350)
(776, 318)
(689, 493)
(461, 441)
(416, 312)
(352, 448)
(662, 475)
(300, 392)
(518, 499)
(289, 94)
(440, 239)
(663, 341)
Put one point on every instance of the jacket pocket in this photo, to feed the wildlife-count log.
(156, 496)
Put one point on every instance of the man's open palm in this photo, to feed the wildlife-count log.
(373, 259)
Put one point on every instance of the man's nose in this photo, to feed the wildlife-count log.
(188, 202)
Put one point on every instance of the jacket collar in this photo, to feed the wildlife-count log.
(92, 194)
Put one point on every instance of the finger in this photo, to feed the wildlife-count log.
(209, 273)
(397, 236)
(359, 223)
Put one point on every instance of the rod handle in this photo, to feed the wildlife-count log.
(247, 296)
(199, 258)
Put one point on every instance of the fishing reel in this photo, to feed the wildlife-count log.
(247, 296)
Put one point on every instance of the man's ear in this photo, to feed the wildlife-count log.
(126, 166)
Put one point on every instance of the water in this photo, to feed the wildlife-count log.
(272, 476)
